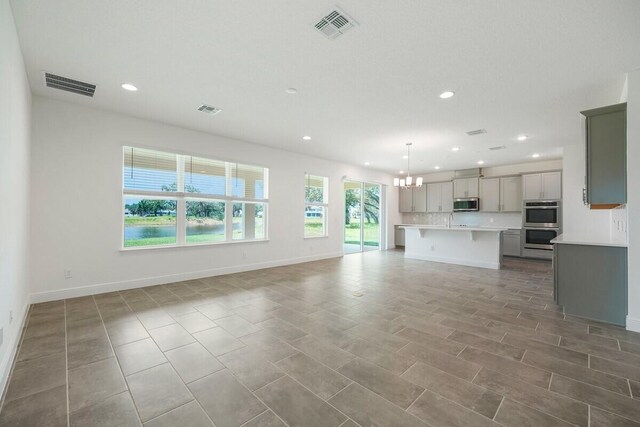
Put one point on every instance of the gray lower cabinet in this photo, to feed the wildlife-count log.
(591, 281)
(399, 237)
(511, 243)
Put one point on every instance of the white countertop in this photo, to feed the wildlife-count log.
(591, 239)
(452, 228)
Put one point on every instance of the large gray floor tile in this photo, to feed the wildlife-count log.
(368, 409)
(570, 410)
(231, 408)
(157, 390)
(237, 326)
(126, 332)
(46, 408)
(117, 410)
(193, 362)
(190, 415)
(471, 396)
(266, 419)
(297, 406)
(443, 361)
(139, 355)
(514, 414)
(439, 411)
(322, 351)
(218, 341)
(250, 367)
(383, 382)
(89, 384)
(596, 396)
(33, 376)
(171, 336)
(195, 322)
(313, 375)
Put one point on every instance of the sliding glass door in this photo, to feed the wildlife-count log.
(361, 216)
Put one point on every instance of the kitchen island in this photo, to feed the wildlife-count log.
(471, 246)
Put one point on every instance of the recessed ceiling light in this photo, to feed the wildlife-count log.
(401, 172)
(522, 137)
(129, 87)
(203, 171)
(306, 137)
(447, 94)
(437, 167)
(481, 162)
(535, 156)
(405, 157)
(367, 163)
(291, 90)
(455, 149)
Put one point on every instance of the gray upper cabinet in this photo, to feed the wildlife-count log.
(606, 132)
(413, 199)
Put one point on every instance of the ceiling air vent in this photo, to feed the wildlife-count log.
(335, 24)
(499, 147)
(476, 132)
(208, 109)
(69, 85)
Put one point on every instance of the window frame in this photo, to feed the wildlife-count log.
(324, 205)
(182, 197)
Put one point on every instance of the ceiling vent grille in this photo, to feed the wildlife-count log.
(335, 24)
(70, 85)
(476, 132)
(500, 147)
(208, 109)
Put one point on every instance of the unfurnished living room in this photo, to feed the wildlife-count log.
(309, 213)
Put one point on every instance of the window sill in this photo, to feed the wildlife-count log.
(315, 237)
(193, 245)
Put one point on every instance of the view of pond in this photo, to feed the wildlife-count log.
(151, 231)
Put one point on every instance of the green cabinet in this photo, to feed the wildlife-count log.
(606, 177)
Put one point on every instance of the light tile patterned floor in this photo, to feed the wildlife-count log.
(425, 344)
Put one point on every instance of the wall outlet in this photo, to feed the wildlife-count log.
(10, 316)
(433, 248)
(491, 219)
(67, 274)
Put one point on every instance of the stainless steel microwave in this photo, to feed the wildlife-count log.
(467, 204)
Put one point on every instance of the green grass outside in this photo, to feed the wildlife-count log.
(133, 221)
(371, 234)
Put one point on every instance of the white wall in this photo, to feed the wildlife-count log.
(76, 191)
(633, 198)
(576, 216)
(15, 126)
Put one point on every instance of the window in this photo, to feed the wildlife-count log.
(316, 192)
(174, 199)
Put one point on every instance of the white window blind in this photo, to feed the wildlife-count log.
(204, 176)
(149, 170)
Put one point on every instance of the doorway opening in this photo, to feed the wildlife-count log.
(362, 216)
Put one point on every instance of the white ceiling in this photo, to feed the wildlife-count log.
(517, 67)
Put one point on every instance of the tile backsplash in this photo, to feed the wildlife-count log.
(486, 219)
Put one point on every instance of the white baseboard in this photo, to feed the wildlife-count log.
(633, 324)
(12, 347)
(82, 291)
(469, 263)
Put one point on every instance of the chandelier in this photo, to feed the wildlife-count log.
(407, 182)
